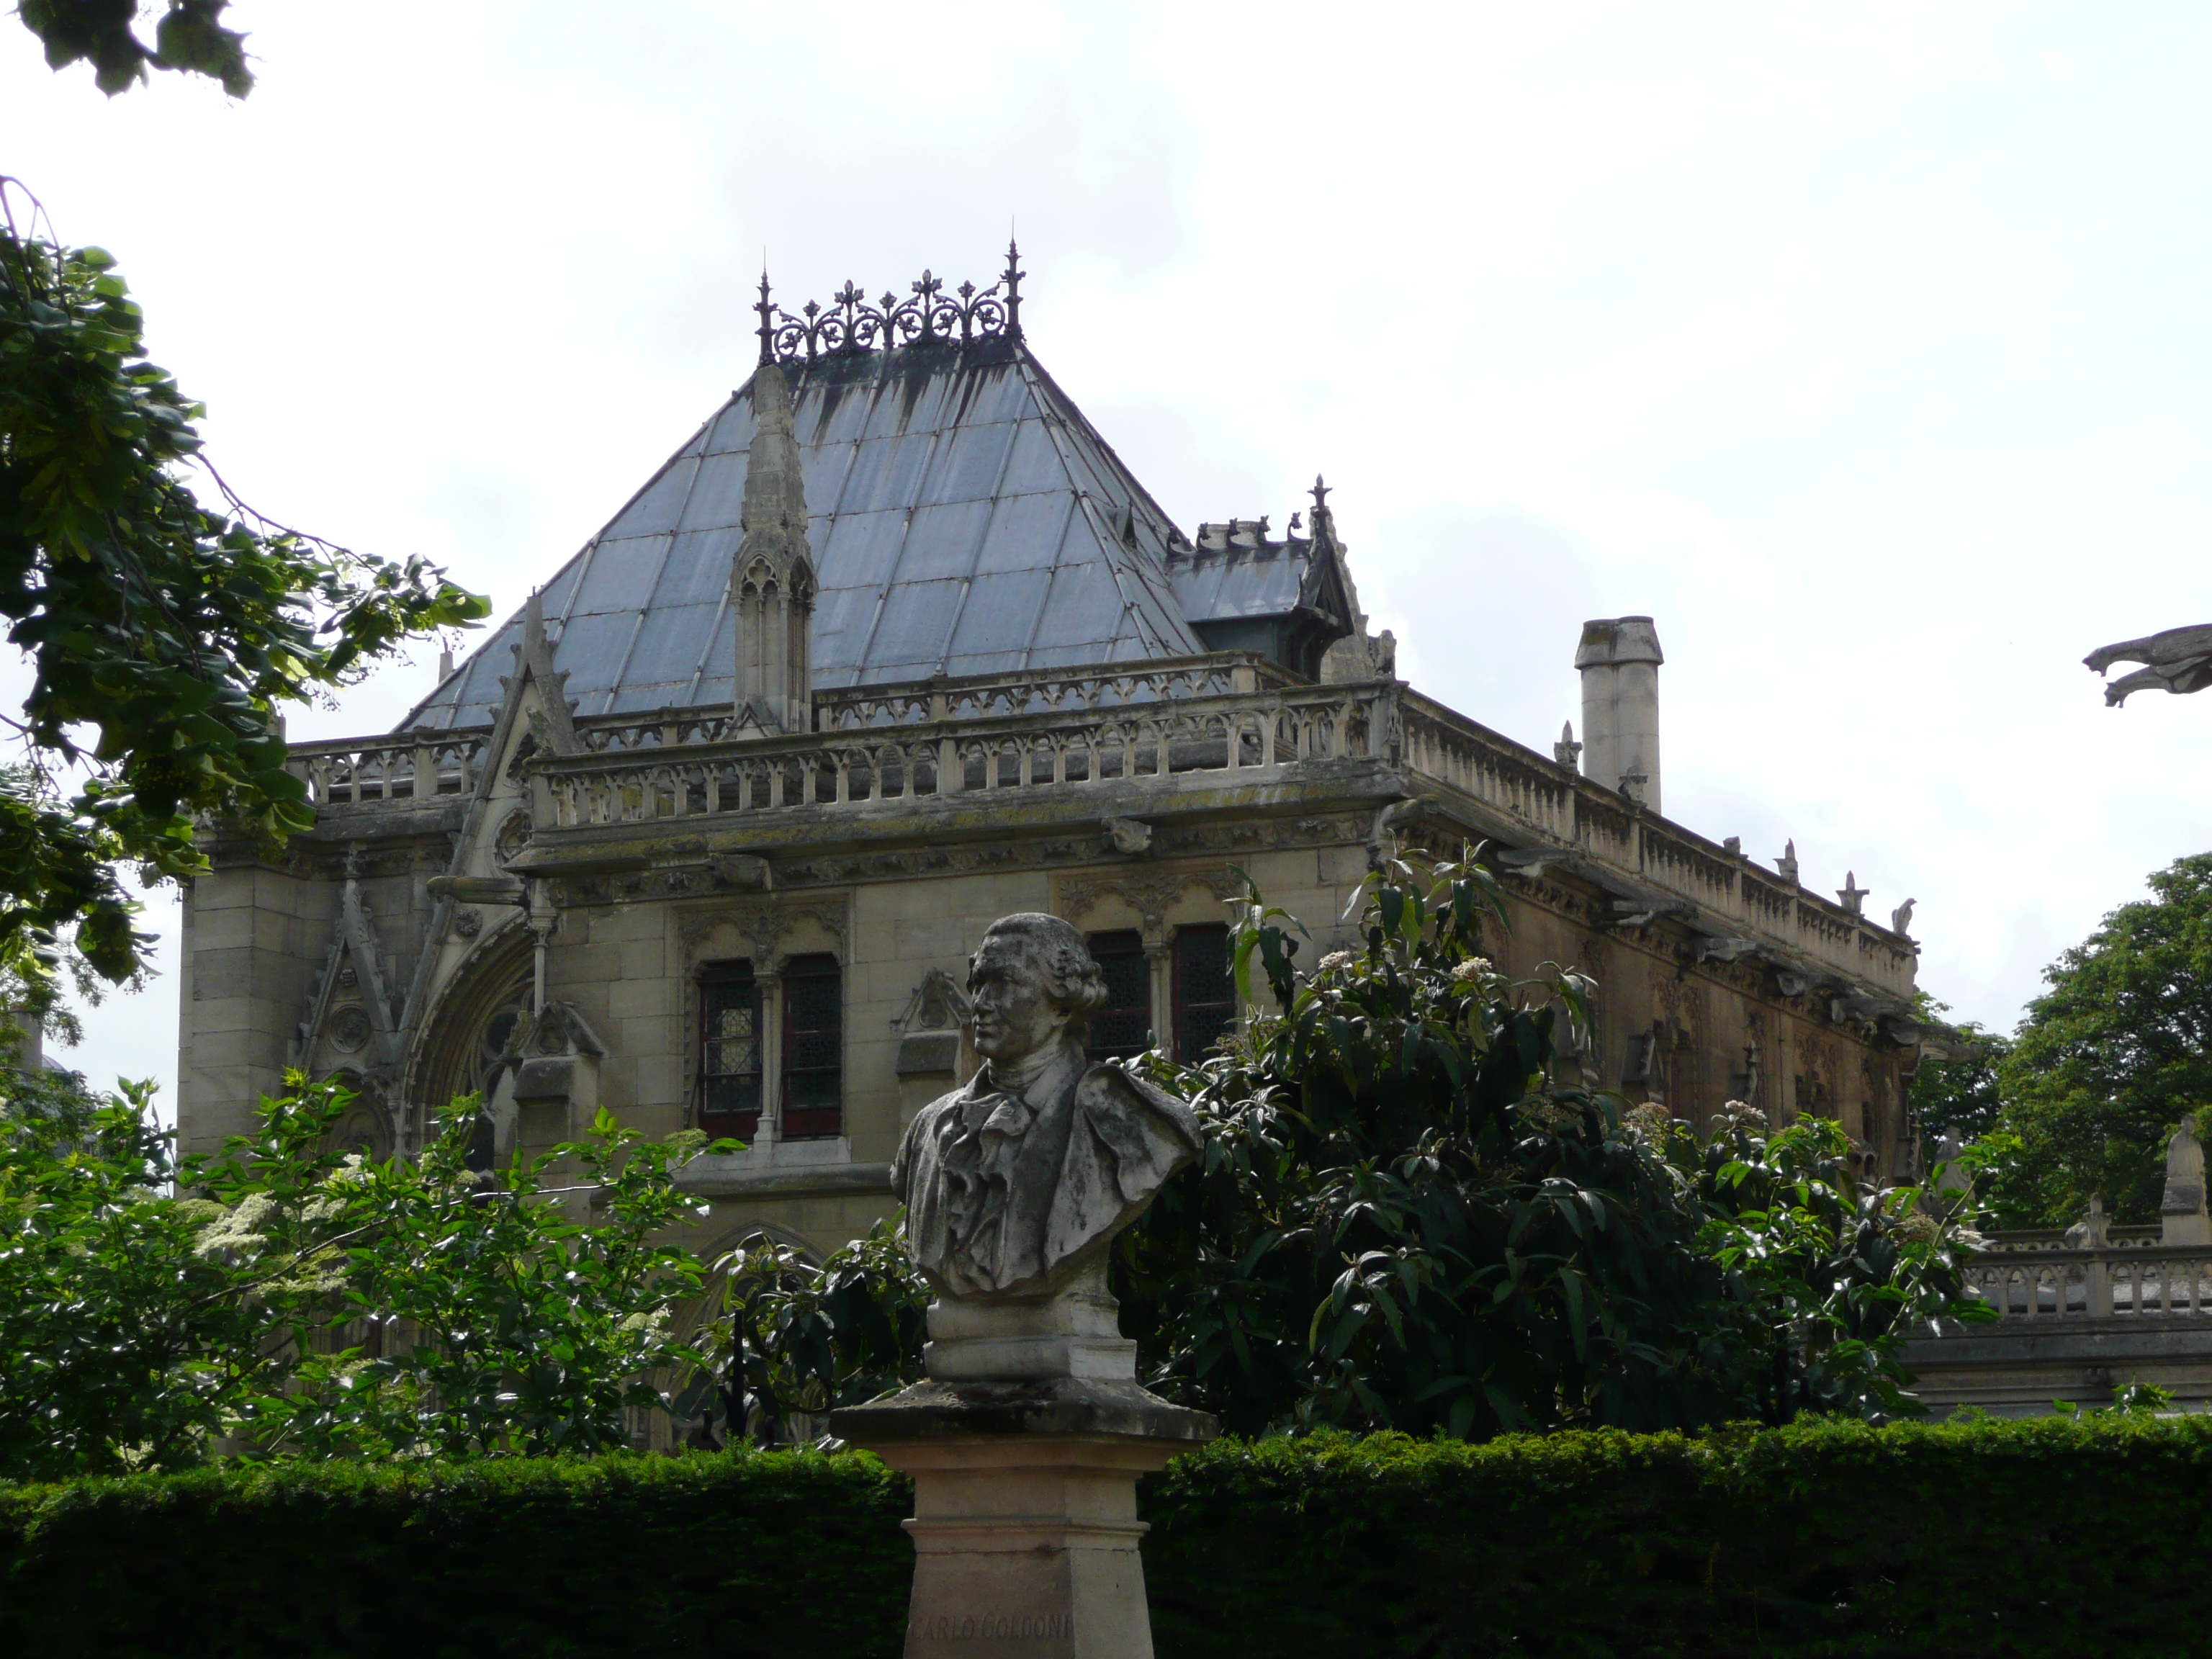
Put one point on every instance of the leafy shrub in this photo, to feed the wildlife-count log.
(1401, 1220)
(302, 1301)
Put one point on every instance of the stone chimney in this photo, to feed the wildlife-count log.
(772, 583)
(1619, 662)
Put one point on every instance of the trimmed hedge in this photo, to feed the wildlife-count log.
(748, 1557)
(2045, 1538)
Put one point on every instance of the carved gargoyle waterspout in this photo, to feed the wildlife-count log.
(2179, 660)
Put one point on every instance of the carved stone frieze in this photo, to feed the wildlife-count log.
(1148, 895)
(761, 924)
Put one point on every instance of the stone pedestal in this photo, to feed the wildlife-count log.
(1025, 1527)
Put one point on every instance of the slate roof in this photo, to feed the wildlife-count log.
(1235, 573)
(963, 518)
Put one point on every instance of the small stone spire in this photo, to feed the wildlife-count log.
(772, 581)
(1566, 750)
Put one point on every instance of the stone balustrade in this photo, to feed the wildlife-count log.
(358, 772)
(985, 697)
(2120, 1237)
(407, 767)
(1231, 715)
(1741, 909)
(2059, 1283)
(1258, 732)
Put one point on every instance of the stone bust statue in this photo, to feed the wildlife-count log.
(1015, 1184)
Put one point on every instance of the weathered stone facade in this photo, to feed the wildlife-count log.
(532, 894)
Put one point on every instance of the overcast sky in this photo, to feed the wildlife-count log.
(1864, 347)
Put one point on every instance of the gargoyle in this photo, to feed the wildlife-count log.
(2179, 660)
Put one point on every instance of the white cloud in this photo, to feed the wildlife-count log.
(1862, 347)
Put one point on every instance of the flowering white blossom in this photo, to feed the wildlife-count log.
(1474, 970)
(1333, 960)
(236, 1231)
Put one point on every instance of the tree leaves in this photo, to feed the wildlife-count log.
(2108, 1062)
(306, 1302)
(166, 637)
(1403, 1222)
(189, 37)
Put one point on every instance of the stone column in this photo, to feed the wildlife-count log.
(1025, 1444)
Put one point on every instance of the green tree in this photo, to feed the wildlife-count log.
(120, 1345)
(165, 634)
(1401, 1220)
(1958, 1094)
(797, 1340)
(303, 1301)
(2109, 1060)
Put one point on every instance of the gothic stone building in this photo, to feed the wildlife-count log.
(895, 645)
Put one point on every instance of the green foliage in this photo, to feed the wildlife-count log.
(189, 36)
(119, 1344)
(797, 1340)
(2109, 1060)
(1400, 1221)
(306, 1302)
(1822, 1538)
(490, 1317)
(165, 638)
(1958, 1095)
(1844, 1271)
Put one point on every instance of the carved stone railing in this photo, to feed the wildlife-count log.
(410, 767)
(1228, 714)
(1720, 893)
(2061, 1284)
(2141, 1237)
(983, 696)
(1256, 733)
(416, 767)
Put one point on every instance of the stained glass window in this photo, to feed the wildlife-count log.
(730, 1056)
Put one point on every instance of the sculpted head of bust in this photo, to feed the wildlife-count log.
(1016, 1182)
(1030, 984)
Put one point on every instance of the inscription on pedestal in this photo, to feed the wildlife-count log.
(996, 1627)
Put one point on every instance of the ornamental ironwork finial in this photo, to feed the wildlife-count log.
(850, 325)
